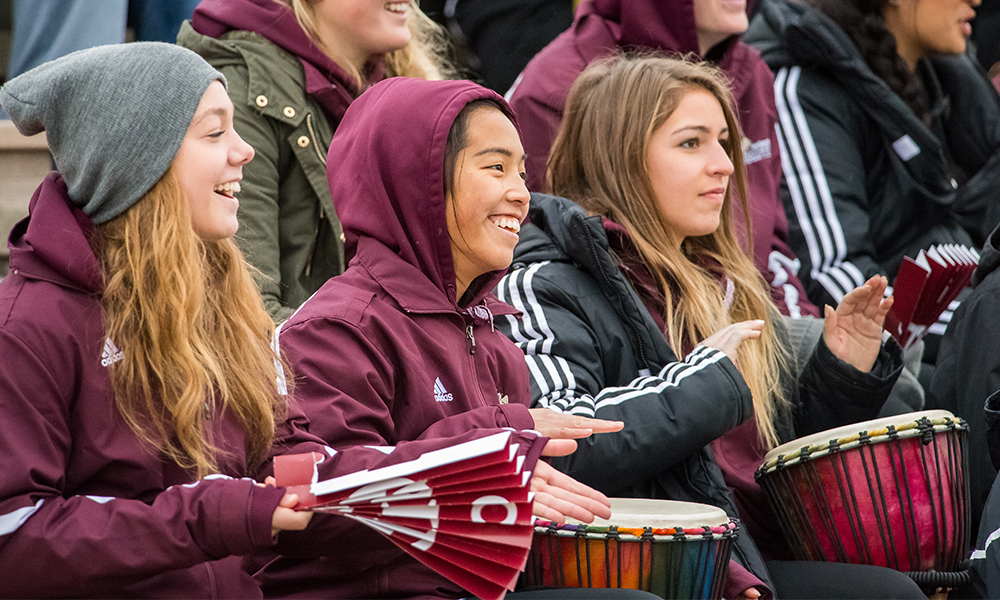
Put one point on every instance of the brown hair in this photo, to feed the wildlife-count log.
(423, 57)
(600, 160)
(193, 332)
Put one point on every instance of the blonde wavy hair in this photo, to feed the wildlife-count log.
(423, 57)
(600, 160)
(193, 332)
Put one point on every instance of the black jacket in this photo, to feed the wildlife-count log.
(968, 371)
(593, 349)
(866, 181)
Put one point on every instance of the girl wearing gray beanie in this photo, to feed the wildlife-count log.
(137, 384)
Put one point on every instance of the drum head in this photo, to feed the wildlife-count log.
(661, 514)
(823, 437)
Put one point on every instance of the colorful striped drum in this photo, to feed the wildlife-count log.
(672, 549)
(890, 492)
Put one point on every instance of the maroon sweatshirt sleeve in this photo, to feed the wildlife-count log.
(54, 543)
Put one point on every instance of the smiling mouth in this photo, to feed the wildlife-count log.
(397, 7)
(507, 223)
(230, 188)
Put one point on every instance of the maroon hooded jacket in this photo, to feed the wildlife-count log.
(384, 353)
(602, 27)
(86, 510)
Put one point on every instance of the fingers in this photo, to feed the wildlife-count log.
(556, 425)
(729, 338)
(289, 500)
(829, 321)
(559, 448)
(555, 491)
(269, 480)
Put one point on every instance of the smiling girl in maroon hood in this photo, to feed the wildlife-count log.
(402, 346)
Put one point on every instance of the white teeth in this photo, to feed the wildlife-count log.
(508, 223)
(229, 188)
(397, 7)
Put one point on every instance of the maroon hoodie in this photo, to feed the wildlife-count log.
(602, 27)
(86, 510)
(384, 354)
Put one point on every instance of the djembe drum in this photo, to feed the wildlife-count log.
(672, 549)
(890, 492)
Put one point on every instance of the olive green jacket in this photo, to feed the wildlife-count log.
(289, 229)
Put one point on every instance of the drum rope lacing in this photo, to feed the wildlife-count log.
(923, 428)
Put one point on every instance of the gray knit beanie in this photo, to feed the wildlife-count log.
(114, 116)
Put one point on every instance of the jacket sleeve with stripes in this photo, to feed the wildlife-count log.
(582, 362)
(822, 147)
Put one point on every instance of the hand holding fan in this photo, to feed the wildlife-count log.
(464, 510)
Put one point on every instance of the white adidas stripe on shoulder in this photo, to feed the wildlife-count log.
(810, 191)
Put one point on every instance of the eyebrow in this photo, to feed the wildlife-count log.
(498, 150)
(220, 112)
(699, 128)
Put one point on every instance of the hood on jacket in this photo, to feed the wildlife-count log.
(325, 80)
(386, 172)
(989, 258)
(51, 243)
(667, 25)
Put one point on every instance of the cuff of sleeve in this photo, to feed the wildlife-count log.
(260, 512)
(882, 376)
(515, 416)
(740, 579)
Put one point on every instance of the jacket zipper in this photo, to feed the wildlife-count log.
(322, 213)
(312, 134)
(315, 243)
(472, 339)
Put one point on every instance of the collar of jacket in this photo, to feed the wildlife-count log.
(282, 78)
(51, 243)
(413, 291)
(561, 231)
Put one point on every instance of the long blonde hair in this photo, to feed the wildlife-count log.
(600, 160)
(423, 57)
(194, 335)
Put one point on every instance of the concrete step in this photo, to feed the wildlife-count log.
(24, 163)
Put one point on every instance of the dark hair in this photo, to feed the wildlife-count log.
(864, 23)
(458, 138)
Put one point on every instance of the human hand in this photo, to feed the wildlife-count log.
(284, 517)
(729, 338)
(558, 497)
(853, 332)
(560, 426)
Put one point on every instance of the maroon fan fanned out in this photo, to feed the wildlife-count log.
(924, 288)
(464, 510)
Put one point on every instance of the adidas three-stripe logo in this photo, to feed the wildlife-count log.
(441, 394)
(111, 353)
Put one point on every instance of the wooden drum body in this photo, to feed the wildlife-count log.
(890, 492)
(672, 549)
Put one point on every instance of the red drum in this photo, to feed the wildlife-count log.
(890, 492)
(671, 549)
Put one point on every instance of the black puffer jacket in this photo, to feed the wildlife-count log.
(593, 349)
(866, 181)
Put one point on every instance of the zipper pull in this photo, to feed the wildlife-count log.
(472, 339)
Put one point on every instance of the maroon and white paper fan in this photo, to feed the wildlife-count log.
(464, 510)
(925, 286)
